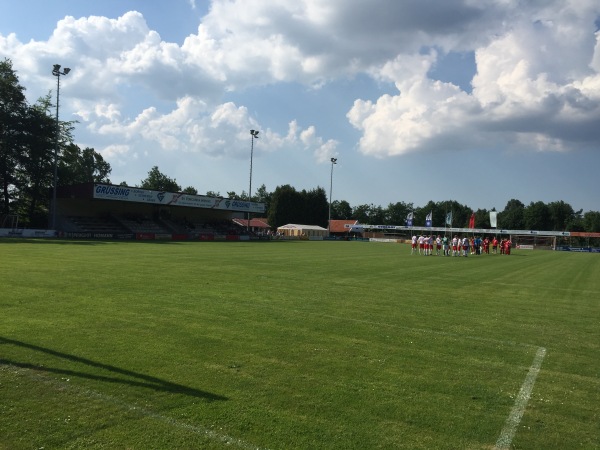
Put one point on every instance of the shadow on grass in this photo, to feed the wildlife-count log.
(52, 241)
(89, 242)
(136, 379)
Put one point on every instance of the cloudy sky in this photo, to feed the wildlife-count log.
(478, 101)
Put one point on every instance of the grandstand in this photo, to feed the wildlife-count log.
(95, 210)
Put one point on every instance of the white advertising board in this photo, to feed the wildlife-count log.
(129, 194)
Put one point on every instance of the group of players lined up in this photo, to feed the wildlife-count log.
(457, 246)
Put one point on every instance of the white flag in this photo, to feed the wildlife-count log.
(493, 219)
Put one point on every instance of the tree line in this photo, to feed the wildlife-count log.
(30, 136)
(286, 205)
(553, 216)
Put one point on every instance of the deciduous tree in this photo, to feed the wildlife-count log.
(13, 108)
(512, 217)
(158, 181)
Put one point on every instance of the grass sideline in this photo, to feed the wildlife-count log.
(329, 345)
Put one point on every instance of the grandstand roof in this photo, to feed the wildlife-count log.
(339, 226)
(254, 223)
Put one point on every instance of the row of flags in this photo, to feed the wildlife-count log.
(429, 219)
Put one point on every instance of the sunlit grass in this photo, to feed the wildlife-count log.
(293, 345)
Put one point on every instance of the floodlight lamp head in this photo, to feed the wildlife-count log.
(66, 70)
(56, 68)
(254, 133)
(334, 160)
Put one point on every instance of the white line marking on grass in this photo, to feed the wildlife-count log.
(196, 429)
(514, 418)
(510, 427)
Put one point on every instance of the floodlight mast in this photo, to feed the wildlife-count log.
(254, 135)
(57, 73)
(333, 161)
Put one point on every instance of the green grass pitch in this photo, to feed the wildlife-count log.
(295, 345)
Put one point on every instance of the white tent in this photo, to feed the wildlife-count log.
(296, 230)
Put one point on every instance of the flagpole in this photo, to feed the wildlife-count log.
(450, 237)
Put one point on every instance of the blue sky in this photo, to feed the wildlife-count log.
(478, 102)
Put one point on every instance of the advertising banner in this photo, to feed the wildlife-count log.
(26, 233)
(129, 194)
(566, 248)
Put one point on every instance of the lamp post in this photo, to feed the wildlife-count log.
(333, 161)
(254, 135)
(57, 73)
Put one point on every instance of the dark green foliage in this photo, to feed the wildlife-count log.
(362, 213)
(561, 215)
(591, 221)
(290, 206)
(191, 190)
(284, 204)
(482, 218)
(31, 145)
(537, 216)
(341, 209)
(13, 110)
(263, 196)
(316, 207)
(513, 216)
(82, 166)
(34, 173)
(158, 181)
